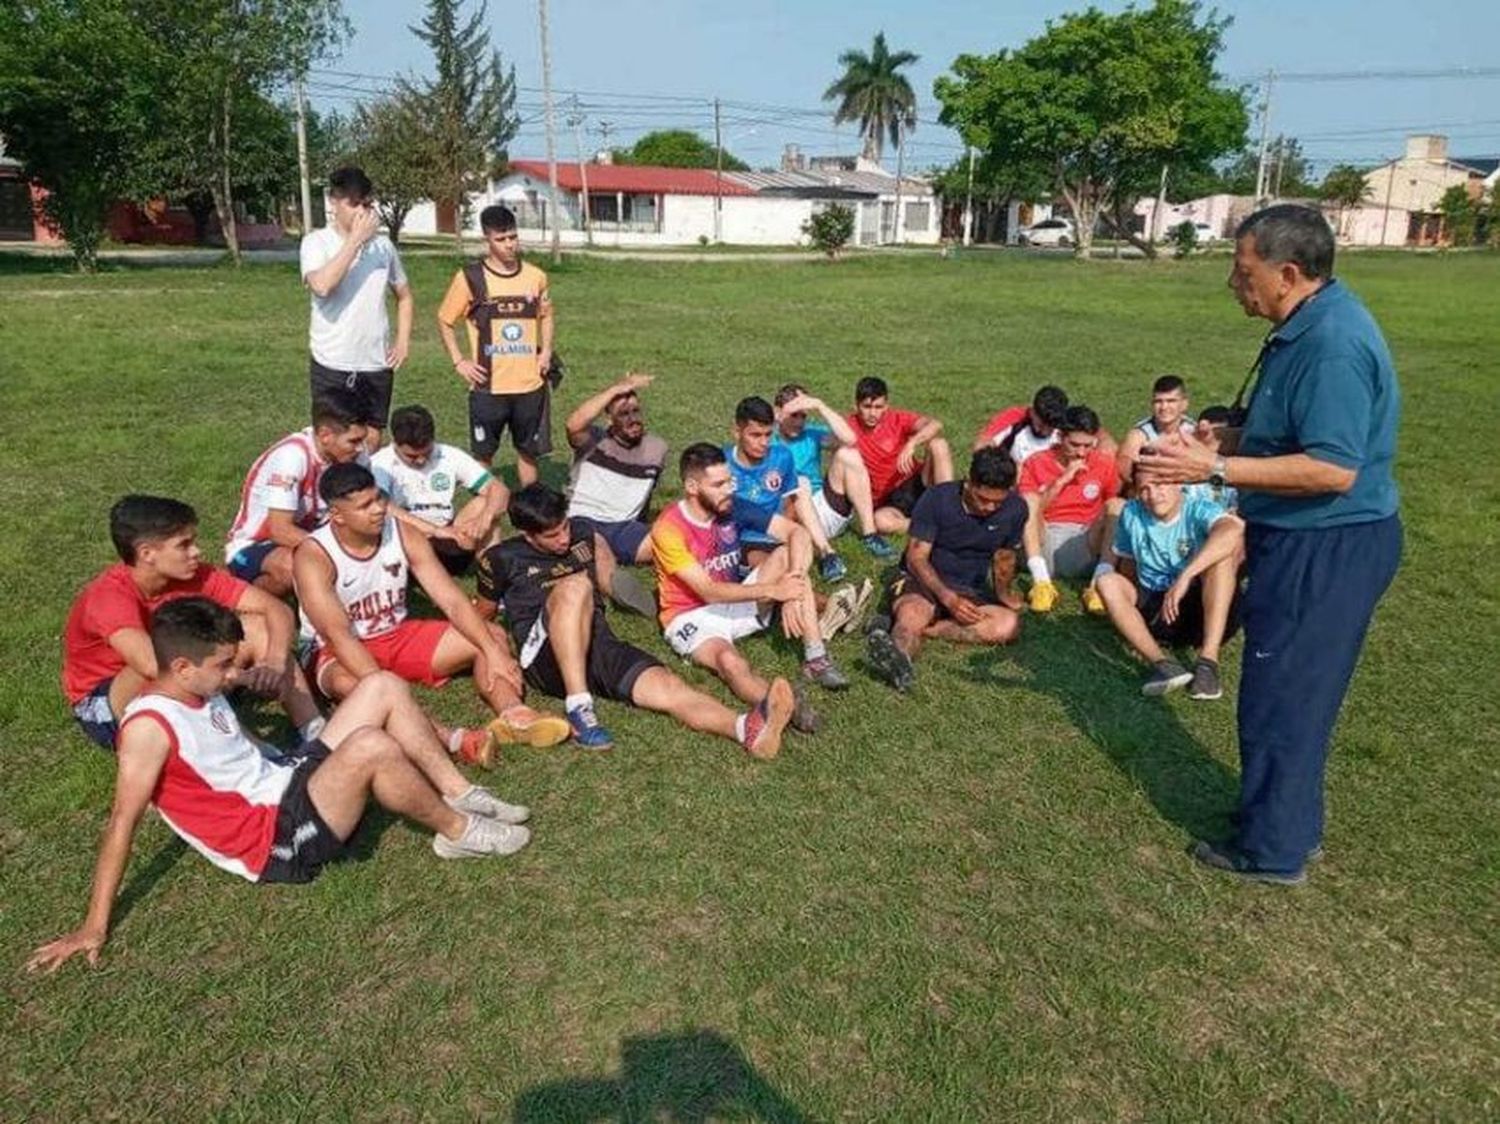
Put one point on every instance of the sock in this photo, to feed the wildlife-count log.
(455, 739)
(310, 729)
(1100, 570)
(811, 651)
(739, 727)
(1037, 567)
(573, 702)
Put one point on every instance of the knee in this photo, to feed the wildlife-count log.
(1000, 628)
(571, 589)
(369, 747)
(847, 457)
(1112, 586)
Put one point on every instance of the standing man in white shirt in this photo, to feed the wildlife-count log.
(349, 265)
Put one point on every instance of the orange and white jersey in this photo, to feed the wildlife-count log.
(283, 478)
(372, 589)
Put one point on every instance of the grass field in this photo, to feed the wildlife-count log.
(971, 904)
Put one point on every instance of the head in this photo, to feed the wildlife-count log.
(627, 420)
(1048, 408)
(754, 420)
(872, 398)
(194, 640)
(413, 434)
(351, 192)
(1212, 421)
(1080, 434)
(790, 423)
(501, 238)
(992, 474)
(706, 482)
(1162, 500)
(1282, 254)
(338, 429)
(355, 503)
(157, 534)
(1169, 402)
(540, 513)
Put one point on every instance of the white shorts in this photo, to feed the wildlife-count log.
(833, 523)
(726, 620)
(1065, 546)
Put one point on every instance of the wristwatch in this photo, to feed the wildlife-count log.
(1217, 474)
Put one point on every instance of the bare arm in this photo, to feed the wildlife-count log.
(590, 408)
(280, 624)
(713, 592)
(283, 530)
(405, 308)
(1224, 538)
(1295, 474)
(133, 645)
(326, 278)
(313, 575)
(449, 599)
(1129, 449)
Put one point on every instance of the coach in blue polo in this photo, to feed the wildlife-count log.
(1312, 463)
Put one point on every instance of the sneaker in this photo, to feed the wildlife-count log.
(520, 725)
(804, 718)
(1225, 858)
(1043, 597)
(1205, 684)
(823, 672)
(588, 731)
(878, 546)
(838, 612)
(479, 801)
(831, 568)
(1093, 604)
(482, 836)
(627, 592)
(476, 747)
(1168, 676)
(767, 721)
(888, 661)
(861, 603)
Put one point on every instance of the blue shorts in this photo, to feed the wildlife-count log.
(247, 563)
(97, 719)
(624, 538)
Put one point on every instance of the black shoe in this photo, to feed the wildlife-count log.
(888, 661)
(1205, 684)
(1225, 858)
(1168, 676)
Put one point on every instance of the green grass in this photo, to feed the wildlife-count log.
(969, 904)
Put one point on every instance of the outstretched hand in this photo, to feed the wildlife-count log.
(53, 955)
(1175, 459)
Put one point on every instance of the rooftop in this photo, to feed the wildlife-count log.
(635, 179)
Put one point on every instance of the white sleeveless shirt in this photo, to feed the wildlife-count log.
(372, 590)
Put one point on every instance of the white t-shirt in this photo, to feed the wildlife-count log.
(427, 492)
(350, 329)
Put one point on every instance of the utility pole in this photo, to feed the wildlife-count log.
(575, 119)
(1280, 165)
(718, 176)
(1265, 135)
(551, 135)
(302, 158)
(605, 128)
(1161, 207)
(896, 227)
(969, 203)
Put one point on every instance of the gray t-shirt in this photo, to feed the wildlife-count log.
(612, 483)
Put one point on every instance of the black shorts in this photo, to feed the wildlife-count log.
(368, 393)
(901, 584)
(1187, 629)
(303, 843)
(455, 559)
(528, 417)
(906, 494)
(612, 668)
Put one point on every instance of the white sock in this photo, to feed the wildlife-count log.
(811, 651)
(1037, 566)
(1102, 569)
(573, 702)
(455, 739)
(310, 729)
(739, 727)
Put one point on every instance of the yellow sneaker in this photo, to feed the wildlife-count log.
(1093, 603)
(520, 725)
(1043, 597)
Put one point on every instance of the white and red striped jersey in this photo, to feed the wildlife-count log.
(372, 590)
(283, 478)
(218, 790)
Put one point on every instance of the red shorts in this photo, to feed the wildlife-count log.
(406, 650)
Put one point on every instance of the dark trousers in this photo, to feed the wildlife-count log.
(1306, 610)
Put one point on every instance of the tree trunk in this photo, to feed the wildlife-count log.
(1081, 202)
(223, 188)
(1121, 226)
(395, 218)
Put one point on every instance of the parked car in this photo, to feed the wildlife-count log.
(1205, 233)
(1048, 232)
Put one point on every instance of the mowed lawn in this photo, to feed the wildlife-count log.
(971, 903)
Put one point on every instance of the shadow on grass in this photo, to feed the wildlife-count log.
(19, 263)
(684, 1078)
(145, 879)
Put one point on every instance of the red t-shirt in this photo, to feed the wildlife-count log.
(1084, 497)
(113, 601)
(881, 448)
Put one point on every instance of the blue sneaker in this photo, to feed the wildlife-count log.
(831, 567)
(587, 730)
(878, 547)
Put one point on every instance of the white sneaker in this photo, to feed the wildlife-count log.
(482, 836)
(480, 801)
(837, 611)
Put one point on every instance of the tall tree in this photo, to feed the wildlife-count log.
(1460, 212)
(873, 91)
(1344, 186)
(1102, 103)
(1287, 170)
(386, 139)
(677, 148)
(468, 107)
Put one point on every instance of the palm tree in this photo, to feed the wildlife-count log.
(1345, 186)
(873, 92)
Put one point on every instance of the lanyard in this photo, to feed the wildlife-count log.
(1239, 408)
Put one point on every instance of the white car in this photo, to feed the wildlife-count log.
(1204, 233)
(1048, 232)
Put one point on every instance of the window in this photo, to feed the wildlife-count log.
(917, 217)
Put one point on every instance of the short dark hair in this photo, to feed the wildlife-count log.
(413, 425)
(788, 392)
(191, 628)
(1289, 232)
(623, 396)
(754, 409)
(342, 480)
(536, 508)
(698, 458)
(1167, 384)
(1051, 405)
(336, 411)
(140, 519)
(871, 386)
(1080, 419)
(497, 219)
(1216, 415)
(350, 183)
(992, 467)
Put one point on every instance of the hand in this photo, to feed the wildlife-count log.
(363, 226)
(634, 381)
(962, 609)
(1171, 603)
(1174, 459)
(906, 462)
(793, 620)
(463, 534)
(802, 404)
(503, 671)
(1073, 469)
(544, 359)
(792, 587)
(397, 354)
(264, 679)
(472, 373)
(53, 955)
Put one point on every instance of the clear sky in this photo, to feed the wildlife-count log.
(659, 64)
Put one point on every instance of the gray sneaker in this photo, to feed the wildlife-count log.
(479, 801)
(1205, 684)
(1168, 676)
(1227, 859)
(888, 661)
(482, 836)
(805, 719)
(823, 672)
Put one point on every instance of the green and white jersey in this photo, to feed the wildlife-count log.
(427, 492)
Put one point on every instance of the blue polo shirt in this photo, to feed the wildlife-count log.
(1327, 388)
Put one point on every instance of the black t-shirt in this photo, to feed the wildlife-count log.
(963, 545)
(522, 576)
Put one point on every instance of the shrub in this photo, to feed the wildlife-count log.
(830, 229)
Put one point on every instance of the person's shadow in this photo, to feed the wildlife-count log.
(685, 1078)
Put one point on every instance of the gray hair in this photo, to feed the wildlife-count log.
(1287, 232)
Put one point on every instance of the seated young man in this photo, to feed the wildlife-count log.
(1169, 414)
(279, 504)
(107, 657)
(1068, 488)
(1023, 431)
(421, 478)
(889, 441)
(549, 581)
(1177, 584)
(616, 467)
(827, 502)
(708, 601)
(352, 575)
(955, 580)
(262, 815)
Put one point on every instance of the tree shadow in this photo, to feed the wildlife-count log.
(685, 1078)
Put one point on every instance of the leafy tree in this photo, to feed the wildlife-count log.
(1183, 238)
(830, 229)
(1492, 219)
(995, 187)
(1100, 103)
(677, 148)
(467, 109)
(1460, 213)
(1287, 170)
(873, 91)
(1344, 186)
(387, 141)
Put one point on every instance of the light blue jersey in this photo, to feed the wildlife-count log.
(807, 451)
(1161, 549)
